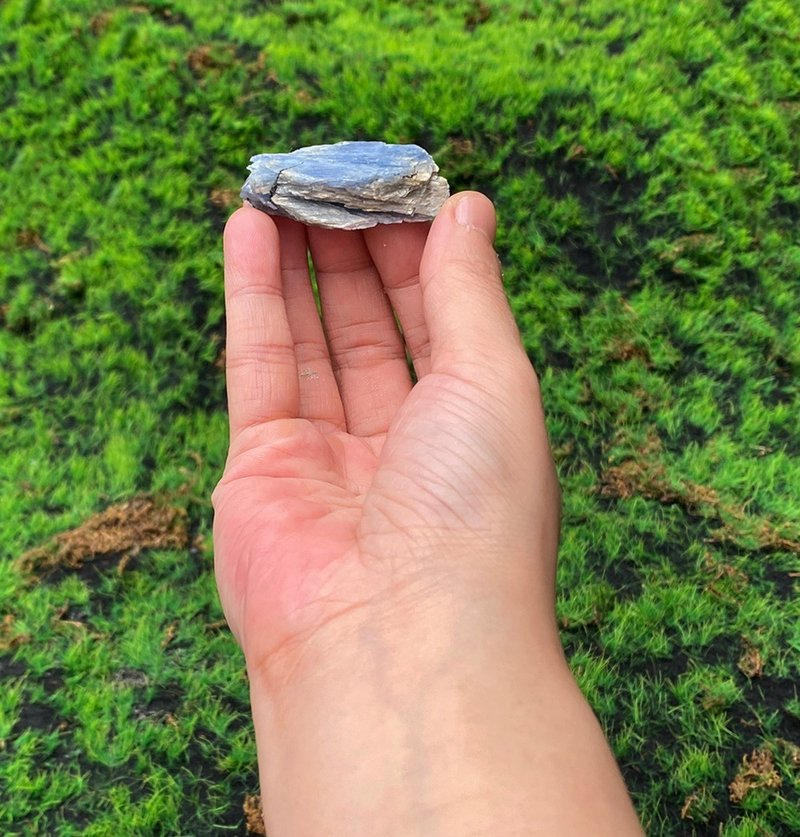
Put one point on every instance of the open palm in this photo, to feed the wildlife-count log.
(347, 486)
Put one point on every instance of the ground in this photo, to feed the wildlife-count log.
(644, 161)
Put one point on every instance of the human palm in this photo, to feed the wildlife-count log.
(348, 490)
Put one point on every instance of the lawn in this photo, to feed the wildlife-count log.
(644, 159)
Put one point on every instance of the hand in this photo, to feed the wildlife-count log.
(385, 552)
(346, 487)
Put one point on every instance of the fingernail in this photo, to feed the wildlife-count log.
(476, 212)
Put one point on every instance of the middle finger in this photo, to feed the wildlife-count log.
(367, 351)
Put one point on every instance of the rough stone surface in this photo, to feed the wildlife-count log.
(349, 185)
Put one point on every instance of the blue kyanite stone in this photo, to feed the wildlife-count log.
(349, 185)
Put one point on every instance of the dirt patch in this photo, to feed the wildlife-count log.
(163, 707)
(122, 529)
(254, 816)
(735, 7)
(757, 771)
(477, 15)
(37, 717)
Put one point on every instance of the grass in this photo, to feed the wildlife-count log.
(643, 158)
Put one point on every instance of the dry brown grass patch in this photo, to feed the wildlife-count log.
(254, 817)
(751, 663)
(10, 634)
(757, 771)
(122, 529)
(225, 198)
(646, 476)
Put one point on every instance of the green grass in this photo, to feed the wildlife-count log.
(643, 157)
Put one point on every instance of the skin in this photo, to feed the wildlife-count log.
(386, 550)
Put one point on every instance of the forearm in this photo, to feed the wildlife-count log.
(468, 723)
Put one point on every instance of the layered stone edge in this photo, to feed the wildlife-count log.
(418, 195)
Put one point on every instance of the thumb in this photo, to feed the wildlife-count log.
(468, 316)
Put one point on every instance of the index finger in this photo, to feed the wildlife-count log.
(260, 362)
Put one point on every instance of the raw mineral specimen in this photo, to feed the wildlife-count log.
(349, 185)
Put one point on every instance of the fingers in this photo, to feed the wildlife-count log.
(470, 323)
(396, 250)
(260, 362)
(319, 392)
(367, 352)
(280, 361)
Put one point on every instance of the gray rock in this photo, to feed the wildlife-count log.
(349, 185)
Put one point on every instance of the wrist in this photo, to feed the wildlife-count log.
(459, 716)
(416, 624)
(406, 724)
